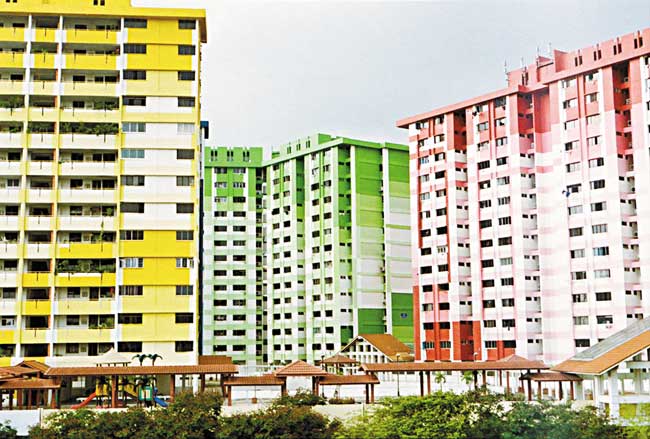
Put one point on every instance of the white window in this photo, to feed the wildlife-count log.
(134, 127)
(133, 153)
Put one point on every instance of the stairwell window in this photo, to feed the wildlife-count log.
(135, 48)
(135, 23)
(186, 49)
(187, 24)
(602, 274)
(184, 263)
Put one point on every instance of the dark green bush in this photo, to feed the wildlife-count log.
(302, 398)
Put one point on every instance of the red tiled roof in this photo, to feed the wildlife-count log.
(455, 366)
(17, 371)
(389, 345)
(550, 376)
(264, 380)
(142, 370)
(336, 380)
(33, 364)
(300, 368)
(214, 359)
(338, 359)
(35, 383)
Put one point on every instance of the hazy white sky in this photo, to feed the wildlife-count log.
(275, 71)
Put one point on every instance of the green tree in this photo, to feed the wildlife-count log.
(440, 378)
(302, 398)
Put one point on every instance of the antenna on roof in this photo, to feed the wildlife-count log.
(521, 62)
(505, 70)
(550, 49)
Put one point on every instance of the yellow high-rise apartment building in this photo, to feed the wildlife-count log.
(99, 180)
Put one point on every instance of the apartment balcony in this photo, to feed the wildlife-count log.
(173, 194)
(90, 36)
(43, 196)
(8, 279)
(10, 195)
(85, 335)
(36, 308)
(11, 168)
(90, 89)
(43, 60)
(11, 140)
(88, 196)
(13, 34)
(152, 332)
(90, 116)
(32, 336)
(153, 87)
(8, 335)
(12, 115)
(81, 250)
(84, 280)
(43, 87)
(135, 140)
(98, 169)
(44, 250)
(96, 223)
(42, 140)
(89, 141)
(40, 168)
(534, 327)
(43, 114)
(35, 223)
(90, 62)
(12, 87)
(84, 307)
(37, 280)
(9, 250)
(12, 60)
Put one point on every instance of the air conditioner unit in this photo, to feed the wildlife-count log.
(608, 326)
(628, 101)
(629, 123)
(626, 79)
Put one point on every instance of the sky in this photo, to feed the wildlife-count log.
(277, 71)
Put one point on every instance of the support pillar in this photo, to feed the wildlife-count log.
(580, 393)
(19, 399)
(283, 389)
(539, 390)
(367, 394)
(530, 390)
(421, 383)
(638, 383)
(508, 381)
(475, 375)
(11, 400)
(614, 405)
(202, 383)
(571, 391)
(229, 392)
(1, 398)
(114, 391)
(372, 394)
(53, 399)
(172, 388)
(428, 382)
(500, 378)
(484, 377)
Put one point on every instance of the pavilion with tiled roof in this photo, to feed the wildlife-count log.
(606, 366)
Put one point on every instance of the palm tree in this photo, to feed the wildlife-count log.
(467, 377)
(440, 378)
(140, 357)
(153, 358)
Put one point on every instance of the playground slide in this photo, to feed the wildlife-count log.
(130, 391)
(85, 402)
(159, 401)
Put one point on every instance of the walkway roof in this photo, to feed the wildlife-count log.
(142, 370)
(300, 369)
(514, 363)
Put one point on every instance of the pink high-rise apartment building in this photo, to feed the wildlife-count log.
(531, 208)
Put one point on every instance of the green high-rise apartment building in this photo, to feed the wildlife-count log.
(305, 249)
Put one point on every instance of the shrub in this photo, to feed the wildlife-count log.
(7, 432)
(302, 398)
(341, 401)
(278, 422)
